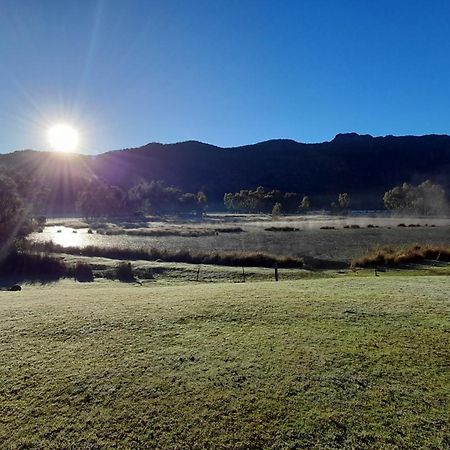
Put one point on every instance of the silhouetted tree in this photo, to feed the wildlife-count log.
(277, 210)
(15, 220)
(157, 198)
(305, 203)
(202, 203)
(34, 193)
(344, 200)
(99, 199)
(261, 201)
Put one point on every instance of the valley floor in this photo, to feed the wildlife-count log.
(317, 363)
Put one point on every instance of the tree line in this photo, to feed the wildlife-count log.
(23, 200)
(276, 202)
(425, 198)
(100, 199)
(261, 200)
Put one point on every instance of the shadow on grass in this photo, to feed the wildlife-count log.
(19, 267)
(324, 264)
(7, 281)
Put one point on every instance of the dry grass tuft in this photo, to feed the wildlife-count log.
(397, 256)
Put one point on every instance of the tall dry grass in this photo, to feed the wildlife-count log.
(248, 259)
(397, 256)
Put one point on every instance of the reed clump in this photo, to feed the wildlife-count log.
(398, 256)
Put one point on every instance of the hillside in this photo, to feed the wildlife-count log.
(362, 165)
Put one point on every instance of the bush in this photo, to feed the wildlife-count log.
(83, 272)
(124, 272)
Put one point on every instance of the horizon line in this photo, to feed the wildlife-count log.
(350, 133)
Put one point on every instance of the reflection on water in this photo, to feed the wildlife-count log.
(337, 244)
(65, 237)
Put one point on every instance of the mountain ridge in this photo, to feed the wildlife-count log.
(362, 165)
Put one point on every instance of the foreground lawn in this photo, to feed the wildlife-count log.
(325, 363)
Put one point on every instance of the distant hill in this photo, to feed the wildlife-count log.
(362, 165)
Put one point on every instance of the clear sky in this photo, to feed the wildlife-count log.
(227, 72)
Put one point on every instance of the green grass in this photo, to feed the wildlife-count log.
(317, 364)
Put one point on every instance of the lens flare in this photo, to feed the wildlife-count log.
(63, 138)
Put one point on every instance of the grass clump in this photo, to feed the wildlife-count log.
(286, 229)
(229, 230)
(397, 256)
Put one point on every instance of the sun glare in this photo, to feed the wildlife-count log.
(63, 138)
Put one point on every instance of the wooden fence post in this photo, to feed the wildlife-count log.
(243, 273)
(276, 271)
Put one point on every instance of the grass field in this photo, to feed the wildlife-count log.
(323, 363)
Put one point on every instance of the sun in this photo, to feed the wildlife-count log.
(63, 138)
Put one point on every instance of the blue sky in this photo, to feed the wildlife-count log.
(227, 72)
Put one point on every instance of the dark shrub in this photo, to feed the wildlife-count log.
(15, 288)
(281, 229)
(83, 272)
(124, 272)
